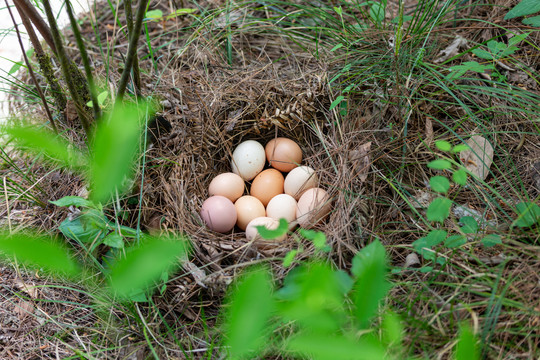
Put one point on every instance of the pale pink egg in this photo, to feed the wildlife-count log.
(219, 213)
(313, 206)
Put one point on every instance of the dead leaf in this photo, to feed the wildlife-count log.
(27, 288)
(451, 50)
(361, 161)
(429, 131)
(479, 157)
(412, 260)
(23, 309)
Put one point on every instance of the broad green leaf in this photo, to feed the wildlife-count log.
(460, 148)
(516, 39)
(144, 264)
(318, 346)
(439, 184)
(466, 348)
(116, 146)
(528, 214)
(337, 101)
(100, 99)
(469, 225)
(72, 201)
(439, 209)
(525, 7)
(377, 12)
(313, 295)
(317, 237)
(52, 146)
(460, 177)
(250, 306)
(392, 329)
(289, 258)
(443, 145)
(83, 230)
(371, 285)
(440, 164)
(114, 240)
(491, 240)
(276, 233)
(454, 241)
(39, 251)
(533, 21)
(16, 66)
(154, 14)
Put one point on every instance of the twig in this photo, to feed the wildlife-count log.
(129, 23)
(7, 200)
(44, 62)
(31, 71)
(65, 64)
(84, 56)
(132, 49)
(30, 11)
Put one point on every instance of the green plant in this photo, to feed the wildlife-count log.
(525, 8)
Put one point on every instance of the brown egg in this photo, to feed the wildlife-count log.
(283, 154)
(247, 209)
(227, 184)
(313, 206)
(266, 185)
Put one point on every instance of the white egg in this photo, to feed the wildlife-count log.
(282, 206)
(299, 180)
(248, 159)
(269, 223)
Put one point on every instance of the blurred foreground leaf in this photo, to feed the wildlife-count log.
(144, 264)
(39, 251)
(466, 345)
(250, 307)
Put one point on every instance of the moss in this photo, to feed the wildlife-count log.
(56, 90)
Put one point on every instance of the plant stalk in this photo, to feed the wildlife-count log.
(85, 60)
(67, 66)
(30, 11)
(132, 49)
(129, 23)
(31, 71)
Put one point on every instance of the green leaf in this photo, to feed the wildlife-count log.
(276, 233)
(154, 14)
(250, 307)
(460, 177)
(377, 12)
(180, 12)
(392, 329)
(73, 201)
(289, 258)
(491, 240)
(39, 251)
(100, 98)
(40, 140)
(114, 240)
(440, 164)
(439, 184)
(516, 39)
(533, 21)
(525, 7)
(460, 148)
(455, 241)
(528, 214)
(469, 225)
(83, 229)
(369, 266)
(433, 238)
(466, 348)
(317, 237)
(337, 101)
(338, 46)
(144, 264)
(439, 209)
(443, 145)
(116, 146)
(16, 66)
(319, 346)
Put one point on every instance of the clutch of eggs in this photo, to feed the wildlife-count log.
(272, 196)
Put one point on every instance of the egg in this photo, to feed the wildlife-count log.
(282, 206)
(248, 159)
(227, 184)
(299, 180)
(248, 208)
(313, 206)
(266, 185)
(219, 213)
(269, 223)
(283, 154)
